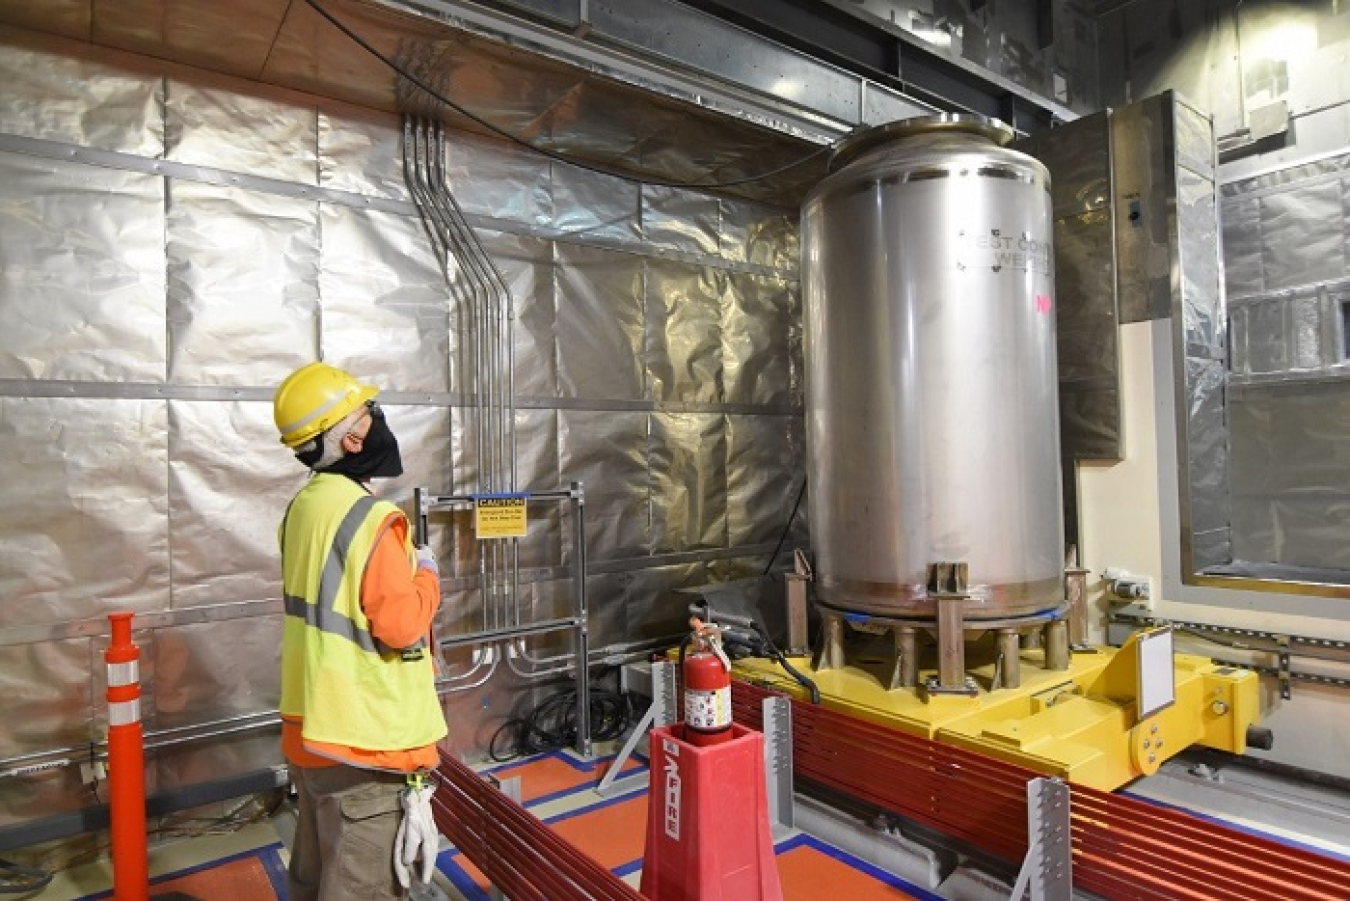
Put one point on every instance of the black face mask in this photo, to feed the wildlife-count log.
(378, 457)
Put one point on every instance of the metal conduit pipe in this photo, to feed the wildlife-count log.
(36, 761)
(494, 297)
(498, 376)
(416, 150)
(492, 371)
(611, 655)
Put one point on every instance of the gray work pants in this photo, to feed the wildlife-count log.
(344, 836)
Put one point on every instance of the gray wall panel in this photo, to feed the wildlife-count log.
(608, 452)
(215, 306)
(600, 323)
(106, 101)
(688, 481)
(266, 137)
(81, 295)
(685, 345)
(1302, 235)
(94, 535)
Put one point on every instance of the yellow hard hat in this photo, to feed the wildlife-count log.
(314, 398)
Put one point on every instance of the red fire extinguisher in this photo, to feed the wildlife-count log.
(707, 687)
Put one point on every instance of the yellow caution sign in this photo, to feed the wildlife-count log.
(500, 516)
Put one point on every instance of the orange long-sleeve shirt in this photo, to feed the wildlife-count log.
(400, 609)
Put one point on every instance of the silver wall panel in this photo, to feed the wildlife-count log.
(593, 204)
(229, 481)
(655, 605)
(385, 305)
(215, 306)
(600, 323)
(538, 466)
(1291, 450)
(81, 296)
(681, 219)
(527, 266)
(1207, 440)
(1084, 288)
(1241, 227)
(503, 181)
(607, 450)
(215, 671)
(206, 761)
(94, 534)
(361, 151)
(49, 703)
(1202, 311)
(759, 235)
(221, 127)
(48, 698)
(89, 102)
(765, 462)
(688, 454)
(757, 321)
(1302, 235)
(684, 351)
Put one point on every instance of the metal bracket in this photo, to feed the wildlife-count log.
(778, 762)
(512, 789)
(661, 712)
(1048, 866)
(1286, 688)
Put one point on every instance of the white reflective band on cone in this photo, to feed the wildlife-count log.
(124, 673)
(124, 713)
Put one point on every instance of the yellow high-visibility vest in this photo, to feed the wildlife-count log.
(349, 688)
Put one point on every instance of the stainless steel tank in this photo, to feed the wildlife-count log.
(932, 417)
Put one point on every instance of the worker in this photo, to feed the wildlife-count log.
(359, 709)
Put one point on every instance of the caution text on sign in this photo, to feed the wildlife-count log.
(500, 516)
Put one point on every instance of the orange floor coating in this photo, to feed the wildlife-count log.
(807, 873)
(555, 774)
(613, 833)
(256, 876)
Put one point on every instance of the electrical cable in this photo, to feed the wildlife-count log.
(779, 656)
(787, 527)
(16, 879)
(553, 155)
(553, 725)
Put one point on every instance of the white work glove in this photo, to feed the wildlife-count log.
(426, 559)
(417, 835)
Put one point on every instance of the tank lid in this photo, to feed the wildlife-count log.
(964, 123)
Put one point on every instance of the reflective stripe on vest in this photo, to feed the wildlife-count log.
(323, 613)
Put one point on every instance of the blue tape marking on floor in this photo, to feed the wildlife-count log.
(276, 870)
(459, 877)
(601, 805)
(579, 765)
(1241, 827)
(802, 839)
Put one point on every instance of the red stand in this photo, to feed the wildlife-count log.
(708, 834)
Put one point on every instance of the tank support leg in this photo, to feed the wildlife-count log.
(905, 673)
(830, 651)
(951, 643)
(1009, 658)
(1057, 645)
